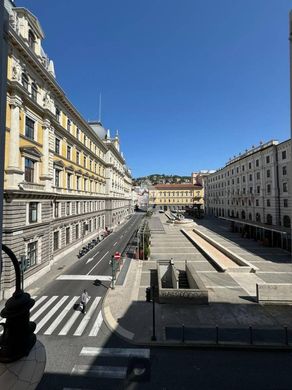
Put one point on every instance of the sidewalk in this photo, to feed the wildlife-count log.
(231, 319)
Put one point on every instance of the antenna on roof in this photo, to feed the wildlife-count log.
(99, 108)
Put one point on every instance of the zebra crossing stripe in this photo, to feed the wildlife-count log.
(38, 302)
(86, 318)
(70, 323)
(100, 371)
(43, 308)
(51, 313)
(96, 325)
(116, 352)
(60, 317)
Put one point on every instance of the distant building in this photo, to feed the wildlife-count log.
(175, 196)
(253, 191)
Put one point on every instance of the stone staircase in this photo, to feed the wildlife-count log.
(183, 280)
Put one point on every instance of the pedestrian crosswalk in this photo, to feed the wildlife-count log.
(124, 362)
(57, 316)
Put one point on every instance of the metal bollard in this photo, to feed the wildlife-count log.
(286, 335)
(250, 336)
(217, 335)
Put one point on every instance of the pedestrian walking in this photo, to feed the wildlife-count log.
(84, 300)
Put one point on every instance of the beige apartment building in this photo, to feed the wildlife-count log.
(64, 183)
(175, 196)
(253, 191)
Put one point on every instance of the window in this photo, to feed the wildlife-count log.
(32, 253)
(257, 163)
(29, 170)
(268, 203)
(243, 179)
(250, 177)
(56, 241)
(267, 159)
(57, 208)
(284, 170)
(268, 173)
(78, 182)
(67, 208)
(24, 80)
(285, 202)
(78, 158)
(242, 168)
(67, 235)
(257, 202)
(269, 219)
(249, 165)
(77, 133)
(32, 212)
(269, 188)
(68, 124)
(84, 161)
(31, 39)
(68, 152)
(85, 140)
(285, 187)
(69, 181)
(250, 190)
(34, 91)
(284, 155)
(258, 189)
(258, 175)
(58, 114)
(286, 221)
(29, 128)
(57, 146)
(77, 232)
(57, 177)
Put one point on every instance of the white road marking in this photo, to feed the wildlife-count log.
(103, 278)
(97, 263)
(89, 260)
(38, 302)
(50, 313)
(115, 243)
(100, 371)
(97, 324)
(116, 352)
(87, 317)
(43, 308)
(69, 323)
(60, 317)
(96, 254)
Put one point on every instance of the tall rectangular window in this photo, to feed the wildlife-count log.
(29, 128)
(284, 155)
(68, 208)
(57, 207)
(267, 159)
(68, 152)
(77, 133)
(57, 145)
(285, 202)
(32, 212)
(57, 178)
(284, 170)
(56, 241)
(77, 232)
(32, 253)
(285, 187)
(78, 182)
(69, 181)
(29, 170)
(67, 235)
(268, 173)
(68, 124)
(58, 114)
(78, 158)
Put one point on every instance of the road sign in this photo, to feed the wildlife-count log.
(117, 256)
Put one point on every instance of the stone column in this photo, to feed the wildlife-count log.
(46, 176)
(13, 170)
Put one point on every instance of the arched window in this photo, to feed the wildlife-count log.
(286, 221)
(258, 217)
(31, 40)
(269, 219)
(24, 80)
(243, 214)
(250, 216)
(34, 91)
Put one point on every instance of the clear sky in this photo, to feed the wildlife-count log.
(188, 83)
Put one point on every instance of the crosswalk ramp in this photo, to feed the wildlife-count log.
(57, 316)
(120, 363)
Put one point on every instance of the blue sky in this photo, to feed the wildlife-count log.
(188, 83)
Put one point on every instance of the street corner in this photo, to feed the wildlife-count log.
(113, 324)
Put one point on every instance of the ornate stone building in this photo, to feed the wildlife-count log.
(60, 187)
(254, 192)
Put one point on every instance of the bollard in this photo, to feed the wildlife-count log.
(183, 333)
(217, 335)
(250, 336)
(286, 335)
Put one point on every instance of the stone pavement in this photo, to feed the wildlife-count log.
(231, 307)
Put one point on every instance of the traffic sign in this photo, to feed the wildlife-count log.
(117, 256)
